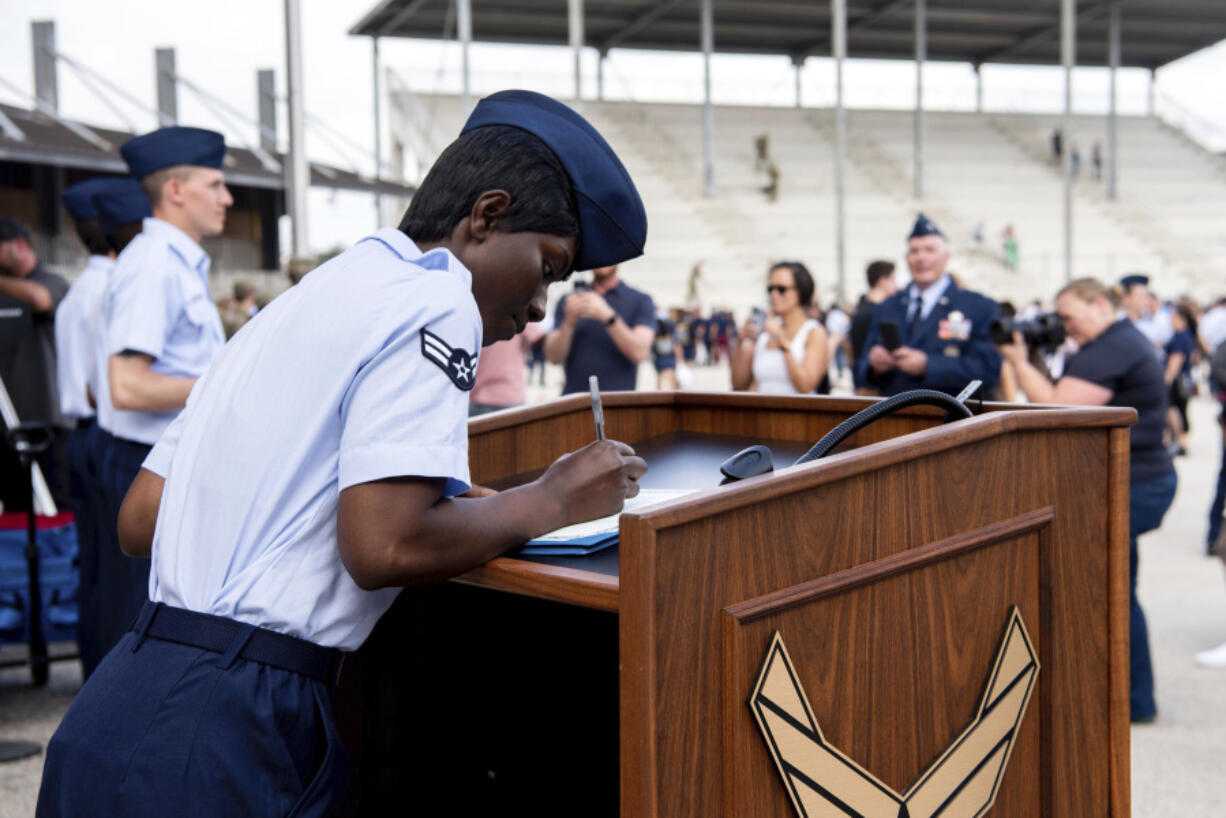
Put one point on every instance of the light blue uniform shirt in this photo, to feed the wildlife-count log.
(338, 381)
(158, 303)
(75, 353)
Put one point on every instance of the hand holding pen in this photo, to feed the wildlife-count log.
(595, 481)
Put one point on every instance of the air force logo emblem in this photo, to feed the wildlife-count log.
(961, 783)
(459, 364)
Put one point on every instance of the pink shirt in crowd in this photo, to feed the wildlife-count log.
(500, 369)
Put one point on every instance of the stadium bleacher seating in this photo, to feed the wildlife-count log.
(988, 170)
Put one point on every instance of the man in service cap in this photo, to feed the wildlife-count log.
(940, 329)
(162, 330)
(323, 463)
(75, 346)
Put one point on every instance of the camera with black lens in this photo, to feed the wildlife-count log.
(1045, 331)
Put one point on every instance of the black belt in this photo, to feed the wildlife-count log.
(218, 634)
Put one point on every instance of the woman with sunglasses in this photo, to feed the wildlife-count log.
(787, 353)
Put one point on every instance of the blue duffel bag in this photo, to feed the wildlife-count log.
(59, 577)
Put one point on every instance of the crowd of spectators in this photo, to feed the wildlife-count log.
(1123, 346)
(1120, 346)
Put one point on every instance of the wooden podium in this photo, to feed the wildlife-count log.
(861, 607)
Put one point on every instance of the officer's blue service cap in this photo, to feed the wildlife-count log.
(79, 198)
(1134, 280)
(924, 227)
(13, 229)
(612, 221)
(122, 201)
(173, 145)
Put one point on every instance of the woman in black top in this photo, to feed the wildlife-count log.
(1115, 366)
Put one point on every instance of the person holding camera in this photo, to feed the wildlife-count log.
(786, 353)
(1114, 366)
(605, 329)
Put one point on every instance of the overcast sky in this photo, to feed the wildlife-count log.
(220, 45)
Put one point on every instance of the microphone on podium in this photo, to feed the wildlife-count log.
(757, 460)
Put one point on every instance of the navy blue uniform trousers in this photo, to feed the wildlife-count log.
(84, 455)
(164, 729)
(123, 585)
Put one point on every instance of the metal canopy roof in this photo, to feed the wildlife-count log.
(1153, 32)
(43, 141)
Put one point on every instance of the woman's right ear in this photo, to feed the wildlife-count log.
(489, 206)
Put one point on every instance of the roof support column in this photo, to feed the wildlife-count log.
(464, 30)
(1068, 57)
(270, 200)
(575, 18)
(266, 97)
(978, 87)
(1113, 61)
(375, 85)
(708, 115)
(46, 82)
(167, 86)
(798, 64)
(921, 54)
(601, 56)
(299, 177)
(838, 40)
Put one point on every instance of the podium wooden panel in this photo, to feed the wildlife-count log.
(889, 569)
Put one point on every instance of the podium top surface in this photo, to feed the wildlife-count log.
(684, 458)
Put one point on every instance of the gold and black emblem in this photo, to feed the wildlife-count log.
(961, 783)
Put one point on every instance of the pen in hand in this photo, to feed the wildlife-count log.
(597, 407)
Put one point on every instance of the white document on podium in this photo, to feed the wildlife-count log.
(606, 526)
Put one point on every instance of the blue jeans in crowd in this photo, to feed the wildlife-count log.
(1219, 499)
(1147, 504)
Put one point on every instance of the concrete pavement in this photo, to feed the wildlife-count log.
(1177, 762)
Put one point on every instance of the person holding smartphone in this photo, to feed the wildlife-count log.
(786, 353)
(943, 328)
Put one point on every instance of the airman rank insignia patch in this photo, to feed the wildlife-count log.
(459, 364)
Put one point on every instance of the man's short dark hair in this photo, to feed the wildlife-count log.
(90, 232)
(122, 234)
(877, 271)
(496, 157)
(801, 278)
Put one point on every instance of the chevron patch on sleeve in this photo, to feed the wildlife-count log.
(459, 364)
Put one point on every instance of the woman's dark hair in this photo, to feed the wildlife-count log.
(1189, 318)
(495, 157)
(801, 278)
(89, 231)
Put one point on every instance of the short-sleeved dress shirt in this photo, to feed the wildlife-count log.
(158, 303)
(74, 351)
(347, 378)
